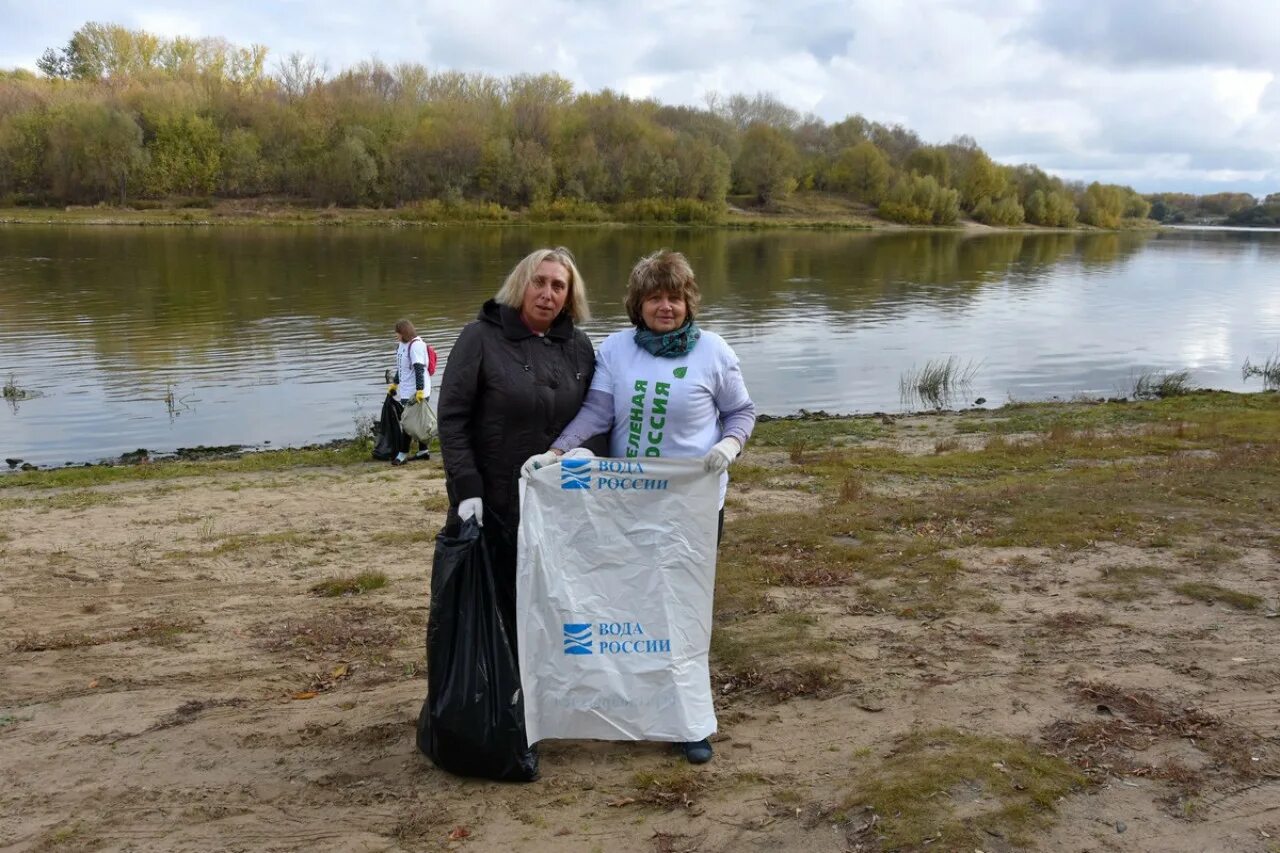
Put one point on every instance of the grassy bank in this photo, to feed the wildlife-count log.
(431, 216)
(1042, 626)
(340, 453)
(803, 210)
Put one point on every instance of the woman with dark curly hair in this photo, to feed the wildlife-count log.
(664, 388)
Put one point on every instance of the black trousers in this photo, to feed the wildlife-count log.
(405, 439)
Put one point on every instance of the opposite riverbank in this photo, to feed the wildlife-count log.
(806, 210)
(1046, 625)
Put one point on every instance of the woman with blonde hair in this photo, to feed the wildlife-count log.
(516, 376)
(664, 388)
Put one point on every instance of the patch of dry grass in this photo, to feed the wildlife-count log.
(1211, 593)
(351, 585)
(669, 789)
(1122, 584)
(245, 541)
(148, 631)
(1072, 623)
(778, 655)
(1127, 722)
(350, 632)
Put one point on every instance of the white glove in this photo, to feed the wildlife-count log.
(472, 507)
(539, 460)
(579, 453)
(721, 455)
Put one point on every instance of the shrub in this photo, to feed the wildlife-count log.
(921, 200)
(566, 210)
(437, 210)
(1104, 205)
(1006, 211)
(1156, 385)
(1054, 209)
(681, 210)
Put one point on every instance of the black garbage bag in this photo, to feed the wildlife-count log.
(388, 441)
(472, 722)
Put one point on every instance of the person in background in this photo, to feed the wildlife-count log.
(412, 381)
(516, 377)
(664, 388)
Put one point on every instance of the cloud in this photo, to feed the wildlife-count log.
(1162, 33)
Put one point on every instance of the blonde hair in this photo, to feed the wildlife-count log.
(513, 289)
(665, 271)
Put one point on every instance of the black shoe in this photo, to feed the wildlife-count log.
(696, 752)
(421, 454)
(397, 461)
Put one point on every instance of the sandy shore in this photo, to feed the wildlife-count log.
(1048, 627)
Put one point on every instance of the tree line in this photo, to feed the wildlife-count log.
(124, 116)
(1226, 207)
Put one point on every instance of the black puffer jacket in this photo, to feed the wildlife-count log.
(506, 395)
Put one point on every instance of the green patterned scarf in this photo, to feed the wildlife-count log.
(671, 344)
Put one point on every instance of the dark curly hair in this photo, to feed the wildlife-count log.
(663, 271)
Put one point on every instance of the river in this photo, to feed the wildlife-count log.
(167, 337)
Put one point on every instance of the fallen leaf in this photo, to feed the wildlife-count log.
(305, 694)
(459, 833)
(621, 801)
(341, 670)
(93, 684)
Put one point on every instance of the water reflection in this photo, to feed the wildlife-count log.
(165, 337)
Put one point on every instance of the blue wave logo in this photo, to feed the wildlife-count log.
(577, 638)
(575, 474)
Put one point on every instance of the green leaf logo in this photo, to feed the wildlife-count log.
(680, 372)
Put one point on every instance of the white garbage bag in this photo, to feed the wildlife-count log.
(614, 586)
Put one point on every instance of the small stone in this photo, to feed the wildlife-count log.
(1121, 826)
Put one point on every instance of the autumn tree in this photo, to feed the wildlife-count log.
(863, 171)
(241, 170)
(348, 170)
(1004, 211)
(1224, 204)
(185, 155)
(930, 160)
(744, 112)
(896, 141)
(920, 200)
(1135, 206)
(439, 157)
(23, 140)
(978, 177)
(93, 151)
(1054, 209)
(766, 165)
(1103, 205)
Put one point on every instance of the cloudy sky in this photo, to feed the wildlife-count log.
(1159, 94)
